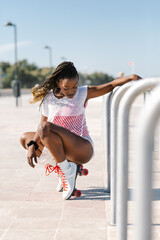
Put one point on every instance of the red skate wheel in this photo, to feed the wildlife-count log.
(85, 172)
(77, 193)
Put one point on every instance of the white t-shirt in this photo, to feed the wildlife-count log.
(68, 112)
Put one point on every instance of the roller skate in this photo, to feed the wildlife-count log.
(68, 173)
(67, 177)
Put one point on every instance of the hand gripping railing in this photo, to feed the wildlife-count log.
(122, 151)
(144, 168)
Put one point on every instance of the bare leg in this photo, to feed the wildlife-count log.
(64, 144)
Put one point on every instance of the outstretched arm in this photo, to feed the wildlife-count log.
(97, 91)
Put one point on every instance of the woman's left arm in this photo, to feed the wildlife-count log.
(97, 91)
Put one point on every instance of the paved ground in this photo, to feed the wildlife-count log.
(30, 207)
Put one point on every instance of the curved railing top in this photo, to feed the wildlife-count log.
(120, 91)
(152, 112)
(136, 89)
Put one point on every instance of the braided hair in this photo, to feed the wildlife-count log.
(63, 70)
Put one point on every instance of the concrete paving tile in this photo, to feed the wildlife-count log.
(2, 231)
(130, 232)
(12, 196)
(156, 176)
(83, 213)
(155, 233)
(46, 185)
(34, 224)
(10, 165)
(46, 196)
(156, 218)
(8, 212)
(158, 229)
(29, 235)
(156, 184)
(44, 204)
(111, 232)
(11, 204)
(85, 204)
(83, 223)
(5, 222)
(156, 154)
(131, 180)
(5, 174)
(155, 205)
(18, 186)
(131, 213)
(86, 234)
(27, 174)
(39, 213)
(156, 166)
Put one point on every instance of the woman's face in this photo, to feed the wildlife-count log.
(68, 86)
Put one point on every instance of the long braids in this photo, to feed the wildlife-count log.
(63, 70)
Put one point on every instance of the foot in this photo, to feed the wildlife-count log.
(68, 172)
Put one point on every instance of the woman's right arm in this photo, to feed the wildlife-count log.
(31, 149)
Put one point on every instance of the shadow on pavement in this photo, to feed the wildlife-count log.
(94, 193)
(155, 194)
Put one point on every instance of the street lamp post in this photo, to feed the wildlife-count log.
(50, 56)
(16, 84)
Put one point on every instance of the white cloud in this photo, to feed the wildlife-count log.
(10, 46)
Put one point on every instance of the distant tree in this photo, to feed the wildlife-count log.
(8, 76)
(4, 66)
(82, 79)
(99, 78)
(29, 75)
(29, 66)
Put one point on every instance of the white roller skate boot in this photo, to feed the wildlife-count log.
(56, 169)
(68, 172)
(60, 184)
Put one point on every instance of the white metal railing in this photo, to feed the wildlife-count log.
(144, 159)
(110, 108)
(113, 139)
(113, 144)
(122, 151)
(107, 114)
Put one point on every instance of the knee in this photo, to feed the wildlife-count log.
(23, 140)
(43, 129)
(46, 130)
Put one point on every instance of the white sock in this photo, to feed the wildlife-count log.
(64, 165)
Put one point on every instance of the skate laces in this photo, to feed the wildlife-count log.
(49, 169)
(56, 169)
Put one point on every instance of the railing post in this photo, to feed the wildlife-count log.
(107, 109)
(106, 116)
(144, 160)
(113, 145)
(122, 152)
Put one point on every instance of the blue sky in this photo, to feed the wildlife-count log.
(97, 35)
